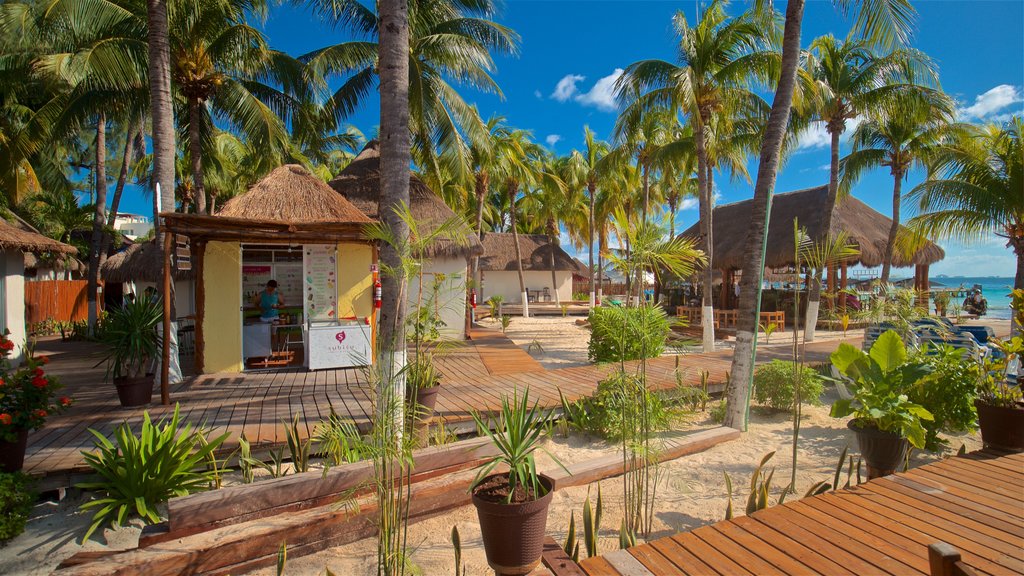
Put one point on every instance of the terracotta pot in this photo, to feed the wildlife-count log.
(135, 391)
(427, 398)
(12, 454)
(1001, 427)
(513, 534)
(883, 452)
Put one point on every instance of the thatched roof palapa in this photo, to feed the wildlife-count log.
(359, 183)
(865, 227)
(18, 235)
(500, 253)
(139, 262)
(291, 194)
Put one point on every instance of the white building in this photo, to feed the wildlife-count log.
(499, 274)
(133, 226)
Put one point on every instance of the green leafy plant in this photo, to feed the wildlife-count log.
(16, 498)
(992, 386)
(137, 473)
(572, 545)
(717, 414)
(882, 379)
(565, 309)
(615, 402)
(495, 302)
(844, 322)
(245, 460)
(519, 434)
(339, 441)
(941, 300)
(768, 330)
(28, 395)
(298, 447)
(773, 384)
(947, 392)
(619, 334)
(460, 568)
(216, 466)
(592, 523)
(506, 321)
(761, 486)
(131, 338)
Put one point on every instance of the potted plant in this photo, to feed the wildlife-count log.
(27, 398)
(422, 383)
(941, 302)
(999, 404)
(885, 421)
(132, 343)
(512, 505)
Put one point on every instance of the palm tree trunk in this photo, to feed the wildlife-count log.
(482, 184)
(600, 270)
(99, 219)
(195, 153)
(706, 228)
(553, 241)
(1016, 329)
(647, 190)
(393, 56)
(741, 374)
(814, 293)
(890, 243)
(591, 189)
(512, 191)
(162, 112)
(122, 179)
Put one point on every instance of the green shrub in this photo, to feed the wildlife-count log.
(718, 412)
(773, 385)
(947, 392)
(140, 472)
(16, 499)
(627, 333)
(616, 396)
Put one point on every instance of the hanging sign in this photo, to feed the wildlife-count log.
(320, 282)
(182, 253)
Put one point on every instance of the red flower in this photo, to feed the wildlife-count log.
(5, 419)
(2, 382)
(38, 372)
(43, 359)
(39, 382)
(64, 401)
(41, 413)
(6, 344)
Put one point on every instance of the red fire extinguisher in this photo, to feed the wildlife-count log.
(472, 299)
(376, 294)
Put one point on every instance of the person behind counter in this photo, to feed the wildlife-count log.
(269, 301)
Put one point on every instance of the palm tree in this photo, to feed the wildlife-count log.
(551, 202)
(720, 59)
(886, 22)
(515, 169)
(59, 214)
(448, 39)
(483, 155)
(899, 135)
(587, 169)
(974, 189)
(641, 134)
(844, 79)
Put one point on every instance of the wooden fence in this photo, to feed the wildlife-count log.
(61, 300)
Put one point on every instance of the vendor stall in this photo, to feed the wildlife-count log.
(286, 264)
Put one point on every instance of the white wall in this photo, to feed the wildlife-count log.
(13, 262)
(506, 284)
(451, 298)
(184, 294)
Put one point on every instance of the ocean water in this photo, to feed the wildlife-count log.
(995, 289)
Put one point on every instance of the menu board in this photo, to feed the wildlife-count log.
(287, 274)
(320, 282)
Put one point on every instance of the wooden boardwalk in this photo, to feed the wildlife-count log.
(974, 503)
(474, 377)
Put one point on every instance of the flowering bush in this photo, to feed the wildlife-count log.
(28, 396)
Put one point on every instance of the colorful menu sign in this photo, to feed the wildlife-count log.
(320, 282)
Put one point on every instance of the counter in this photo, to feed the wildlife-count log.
(337, 344)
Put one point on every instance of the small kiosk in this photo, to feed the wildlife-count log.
(293, 229)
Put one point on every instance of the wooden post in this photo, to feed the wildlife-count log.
(843, 284)
(197, 267)
(724, 295)
(165, 364)
(926, 287)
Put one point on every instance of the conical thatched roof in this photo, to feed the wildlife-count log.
(58, 263)
(139, 262)
(865, 226)
(359, 183)
(18, 235)
(291, 194)
(500, 253)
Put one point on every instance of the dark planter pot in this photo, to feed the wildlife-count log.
(513, 534)
(12, 454)
(1001, 427)
(135, 391)
(883, 452)
(427, 399)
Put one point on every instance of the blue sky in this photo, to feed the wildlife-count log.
(571, 50)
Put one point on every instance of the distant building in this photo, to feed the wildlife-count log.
(133, 226)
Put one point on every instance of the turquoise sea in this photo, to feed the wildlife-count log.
(995, 289)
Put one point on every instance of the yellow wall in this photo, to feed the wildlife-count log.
(355, 282)
(222, 323)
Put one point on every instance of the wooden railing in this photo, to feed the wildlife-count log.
(728, 318)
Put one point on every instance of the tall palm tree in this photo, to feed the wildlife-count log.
(484, 159)
(516, 169)
(641, 134)
(886, 22)
(552, 202)
(844, 79)
(974, 189)
(899, 136)
(587, 167)
(720, 59)
(448, 40)
(58, 214)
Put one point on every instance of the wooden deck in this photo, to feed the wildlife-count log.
(474, 377)
(974, 503)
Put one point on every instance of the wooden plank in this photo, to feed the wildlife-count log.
(598, 566)
(557, 561)
(993, 507)
(777, 559)
(655, 561)
(625, 564)
(747, 559)
(681, 557)
(811, 558)
(722, 563)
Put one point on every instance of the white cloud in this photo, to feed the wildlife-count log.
(992, 101)
(602, 95)
(689, 204)
(552, 139)
(538, 95)
(816, 136)
(566, 87)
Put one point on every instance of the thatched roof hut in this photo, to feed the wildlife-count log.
(139, 262)
(500, 253)
(18, 235)
(865, 226)
(59, 263)
(290, 193)
(359, 183)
